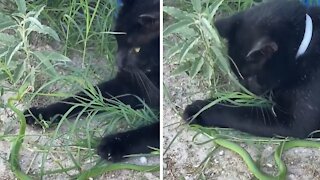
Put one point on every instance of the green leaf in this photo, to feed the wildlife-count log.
(44, 30)
(187, 32)
(3, 52)
(3, 76)
(70, 20)
(6, 22)
(18, 16)
(6, 71)
(176, 26)
(182, 68)
(213, 32)
(187, 46)
(222, 60)
(22, 7)
(177, 13)
(196, 5)
(215, 9)
(47, 56)
(45, 60)
(37, 13)
(18, 72)
(196, 67)
(31, 76)
(6, 39)
(54, 56)
(33, 22)
(173, 50)
(12, 51)
(207, 71)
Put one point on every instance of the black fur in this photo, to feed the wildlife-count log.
(263, 42)
(138, 59)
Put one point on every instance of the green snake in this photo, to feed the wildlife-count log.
(17, 143)
(284, 146)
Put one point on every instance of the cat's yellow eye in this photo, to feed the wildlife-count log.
(137, 49)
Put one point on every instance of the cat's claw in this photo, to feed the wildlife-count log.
(113, 147)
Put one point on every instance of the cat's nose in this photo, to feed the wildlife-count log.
(253, 85)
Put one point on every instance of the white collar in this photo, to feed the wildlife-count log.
(306, 38)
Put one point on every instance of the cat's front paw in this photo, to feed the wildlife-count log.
(189, 114)
(113, 147)
(32, 115)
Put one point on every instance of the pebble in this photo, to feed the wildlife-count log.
(291, 176)
(143, 160)
(221, 153)
(269, 148)
(269, 165)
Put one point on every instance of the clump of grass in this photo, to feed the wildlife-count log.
(84, 25)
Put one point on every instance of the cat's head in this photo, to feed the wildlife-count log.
(138, 23)
(263, 42)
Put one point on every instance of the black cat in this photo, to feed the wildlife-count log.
(276, 52)
(138, 59)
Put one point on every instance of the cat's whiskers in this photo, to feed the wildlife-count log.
(263, 115)
(141, 81)
(151, 88)
(235, 65)
(144, 82)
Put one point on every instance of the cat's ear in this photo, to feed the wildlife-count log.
(226, 26)
(149, 19)
(264, 48)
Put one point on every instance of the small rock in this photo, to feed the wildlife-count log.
(269, 165)
(143, 160)
(269, 148)
(291, 176)
(221, 153)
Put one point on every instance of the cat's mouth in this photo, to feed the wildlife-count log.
(252, 84)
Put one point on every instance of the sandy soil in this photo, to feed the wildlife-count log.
(183, 157)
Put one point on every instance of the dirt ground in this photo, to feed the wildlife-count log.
(183, 156)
